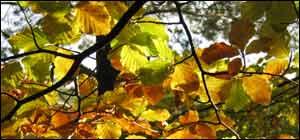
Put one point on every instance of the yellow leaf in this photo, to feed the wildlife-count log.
(62, 65)
(135, 105)
(258, 89)
(183, 134)
(156, 115)
(225, 119)
(93, 18)
(189, 117)
(285, 136)
(86, 84)
(184, 78)
(108, 130)
(276, 66)
(135, 137)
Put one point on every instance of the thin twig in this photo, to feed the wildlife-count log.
(201, 69)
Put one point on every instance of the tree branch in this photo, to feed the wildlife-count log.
(79, 58)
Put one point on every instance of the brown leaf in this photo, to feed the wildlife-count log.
(217, 51)
(234, 66)
(241, 31)
(134, 89)
(205, 131)
(153, 93)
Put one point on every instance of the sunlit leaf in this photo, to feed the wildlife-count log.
(24, 40)
(257, 89)
(135, 105)
(276, 66)
(37, 66)
(62, 65)
(189, 117)
(241, 31)
(155, 115)
(205, 131)
(217, 51)
(93, 18)
(184, 78)
(135, 137)
(131, 59)
(108, 130)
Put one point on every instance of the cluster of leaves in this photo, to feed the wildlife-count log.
(155, 95)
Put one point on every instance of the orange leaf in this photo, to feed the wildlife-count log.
(86, 84)
(60, 119)
(234, 66)
(153, 93)
(241, 31)
(189, 117)
(205, 131)
(217, 51)
(276, 66)
(258, 89)
(285, 136)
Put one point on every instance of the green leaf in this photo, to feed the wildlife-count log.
(156, 115)
(145, 42)
(157, 30)
(154, 72)
(28, 108)
(60, 30)
(281, 12)
(11, 75)
(132, 59)
(7, 104)
(57, 8)
(37, 66)
(237, 99)
(280, 48)
(296, 60)
(24, 40)
(253, 10)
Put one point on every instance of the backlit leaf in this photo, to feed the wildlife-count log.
(154, 72)
(257, 89)
(259, 45)
(237, 99)
(59, 118)
(155, 115)
(37, 66)
(184, 78)
(234, 66)
(276, 66)
(24, 40)
(217, 51)
(135, 137)
(241, 31)
(57, 8)
(62, 65)
(135, 105)
(93, 18)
